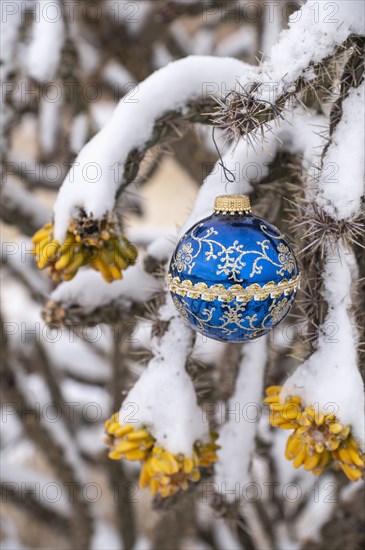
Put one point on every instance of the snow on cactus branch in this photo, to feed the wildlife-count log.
(237, 435)
(89, 296)
(98, 170)
(163, 399)
(296, 63)
(160, 422)
(315, 31)
(340, 195)
(48, 35)
(96, 175)
(323, 400)
(330, 378)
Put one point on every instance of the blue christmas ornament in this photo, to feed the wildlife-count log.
(233, 276)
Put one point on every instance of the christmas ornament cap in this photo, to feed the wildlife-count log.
(232, 204)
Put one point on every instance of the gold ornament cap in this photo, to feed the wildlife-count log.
(232, 204)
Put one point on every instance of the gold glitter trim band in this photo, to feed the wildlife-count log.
(232, 204)
(234, 292)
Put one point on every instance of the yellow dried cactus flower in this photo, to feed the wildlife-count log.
(166, 473)
(125, 441)
(163, 472)
(96, 243)
(318, 439)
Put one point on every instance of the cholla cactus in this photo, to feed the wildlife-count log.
(287, 112)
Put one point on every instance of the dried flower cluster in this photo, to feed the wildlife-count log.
(96, 243)
(163, 472)
(318, 439)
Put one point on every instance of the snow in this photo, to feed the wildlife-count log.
(115, 74)
(317, 511)
(90, 440)
(285, 472)
(206, 350)
(226, 537)
(273, 20)
(284, 541)
(9, 25)
(163, 399)
(203, 42)
(94, 402)
(88, 290)
(36, 392)
(301, 135)
(77, 357)
(44, 50)
(9, 539)
(15, 197)
(89, 55)
(34, 172)
(315, 31)
(79, 132)
(66, 350)
(181, 37)
(18, 307)
(348, 491)
(251, 518)
(49, 118)
(300, 486)
(161, 55)
(49, 492)
(162, 248)
(341, 184)
(101, 113)
(17, 256)
(11, 429)
(105, 537)
(330, 378)
(133, 119)
(95, 168)
(237, 435)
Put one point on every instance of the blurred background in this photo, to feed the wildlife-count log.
(64, 68)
